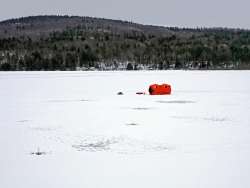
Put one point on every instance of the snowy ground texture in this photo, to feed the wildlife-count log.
(71, 129)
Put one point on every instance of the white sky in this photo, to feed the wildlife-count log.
(185, 13)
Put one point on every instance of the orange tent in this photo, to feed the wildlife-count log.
(163, 89)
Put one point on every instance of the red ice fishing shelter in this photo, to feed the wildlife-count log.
(156, 89)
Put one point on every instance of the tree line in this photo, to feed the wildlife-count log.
(86, 48)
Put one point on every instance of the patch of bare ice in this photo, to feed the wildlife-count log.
(176, 102)
(124, 145)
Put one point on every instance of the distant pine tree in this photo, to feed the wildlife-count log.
(130, 66)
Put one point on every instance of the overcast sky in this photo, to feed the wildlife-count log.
(185, 13)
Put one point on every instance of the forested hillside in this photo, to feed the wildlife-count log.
(84, 43)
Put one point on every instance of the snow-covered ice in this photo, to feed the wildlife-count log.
(71, 129)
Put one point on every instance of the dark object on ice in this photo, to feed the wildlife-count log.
(120, 93)
(155, 89)
(38, 152)
(132, 124)
(140, 93)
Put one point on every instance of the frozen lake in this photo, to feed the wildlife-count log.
(88, 136)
